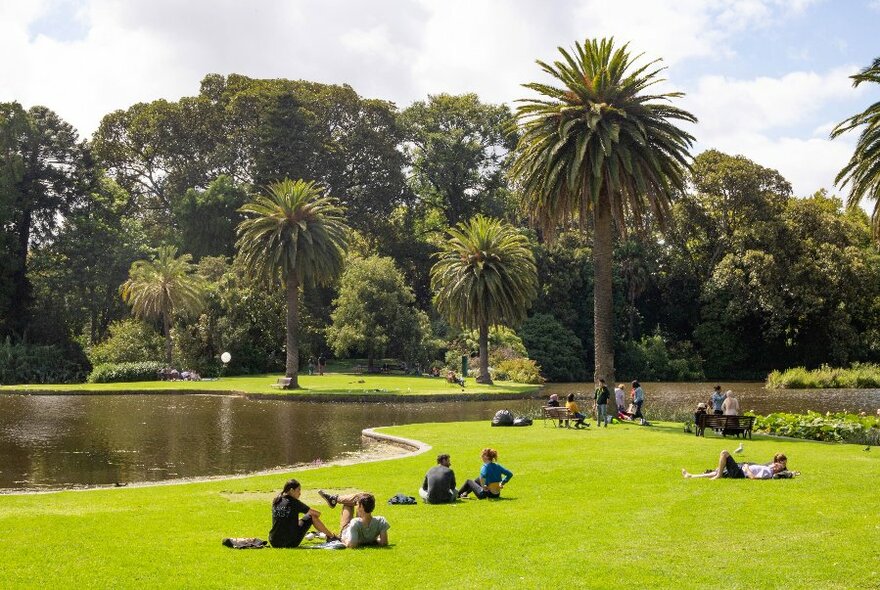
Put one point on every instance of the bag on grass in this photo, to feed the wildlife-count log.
(503, 418)
(244, 543)
(401, 499)
(522, 421)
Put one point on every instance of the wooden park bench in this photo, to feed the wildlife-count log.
(732, 425)
(557, 415)
(282, 383)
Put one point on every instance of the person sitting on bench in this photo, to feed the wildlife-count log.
(575, 412)
(729, 468)
(364, 529)
(288, 528)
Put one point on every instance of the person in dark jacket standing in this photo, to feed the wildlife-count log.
(288, 527)
(439, 485)
(602, 395)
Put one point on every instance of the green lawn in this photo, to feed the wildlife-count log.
(602, 508)
(329, 383)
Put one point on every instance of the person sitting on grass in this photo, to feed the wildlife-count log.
(451, 377)
(729, 468)
(575, 411)
(492, 480)
(439, 485)
(288, 527)
(364, 529)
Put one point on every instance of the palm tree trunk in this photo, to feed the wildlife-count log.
(603, 312)
(484, 355)
(166, 321)
(292, 363)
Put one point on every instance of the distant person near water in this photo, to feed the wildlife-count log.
(730, 407)
(620, 398)
(638, 395)
(717, 401)
(322, 364)
(602, 395)
(439, 485)
(493, 478)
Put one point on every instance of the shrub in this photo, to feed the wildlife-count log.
(838, 427)
(21, 362)
(520, 370)
(652, 360)
(859, 375)
(130, 341)
(555, 348)
(124, 372)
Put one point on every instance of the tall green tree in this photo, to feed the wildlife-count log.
(862, 172)
(158, 288)
(44, 171)
(599, 149)
(294, 233)
(375, 313)
(485, 275)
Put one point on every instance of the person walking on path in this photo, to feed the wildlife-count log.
(638, 400)
(493, 478)
(439, 486)
(322, 363)
(363, 529)
(717, 401)
(602, 395)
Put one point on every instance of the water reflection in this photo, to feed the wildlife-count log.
(68, 441)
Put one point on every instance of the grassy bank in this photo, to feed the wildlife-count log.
(602, 508)
(856, 377)
(329, 383)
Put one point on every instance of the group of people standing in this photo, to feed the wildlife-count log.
(601, 396)
(722, 404)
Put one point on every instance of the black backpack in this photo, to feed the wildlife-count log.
(503, 418)
(522, 421)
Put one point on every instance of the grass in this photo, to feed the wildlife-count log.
(329, 383)
(859, 375)
(602, 508)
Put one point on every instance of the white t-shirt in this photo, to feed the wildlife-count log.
(730, 406)
(760, 471)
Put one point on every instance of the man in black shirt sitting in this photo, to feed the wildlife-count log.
(439, 485)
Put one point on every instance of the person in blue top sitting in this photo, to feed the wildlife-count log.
(492, 478)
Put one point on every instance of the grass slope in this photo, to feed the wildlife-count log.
(600, 509)
(329, 383)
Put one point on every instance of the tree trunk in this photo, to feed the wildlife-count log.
(169, 347)
(292, 364)
(603, 312)
(484, 377)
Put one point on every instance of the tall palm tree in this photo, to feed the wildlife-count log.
(485, 275)
(158, 288)
(295, 233)
(599, 148)
(862, 172)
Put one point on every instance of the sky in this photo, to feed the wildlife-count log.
(767, 79)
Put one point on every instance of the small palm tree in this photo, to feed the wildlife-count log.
(158, 288)
(597, 150)
(295, 233)
(485, 275)
(862, 172)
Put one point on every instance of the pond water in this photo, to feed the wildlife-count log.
(62, 441)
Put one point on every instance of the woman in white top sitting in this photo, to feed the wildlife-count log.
(727, 467)
(730, 407)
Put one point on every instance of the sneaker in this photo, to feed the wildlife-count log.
(310, 536)
(330, 499)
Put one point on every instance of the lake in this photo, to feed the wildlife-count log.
(69, 441)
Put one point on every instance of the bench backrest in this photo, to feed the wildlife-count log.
(284, 380)
(716, 421)
(556, 412)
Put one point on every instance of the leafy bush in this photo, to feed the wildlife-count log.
(520, 370)
(838, 427)
(859, 375)
(21, 362)
(130, 341)
(650, 359)
(124, 372)
(555, 348)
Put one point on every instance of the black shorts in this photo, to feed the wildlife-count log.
(732, 469)
(297, 533)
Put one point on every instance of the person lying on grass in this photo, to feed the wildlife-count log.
(492, 478)
(727, 467)
(288, 527)
(365, 529)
